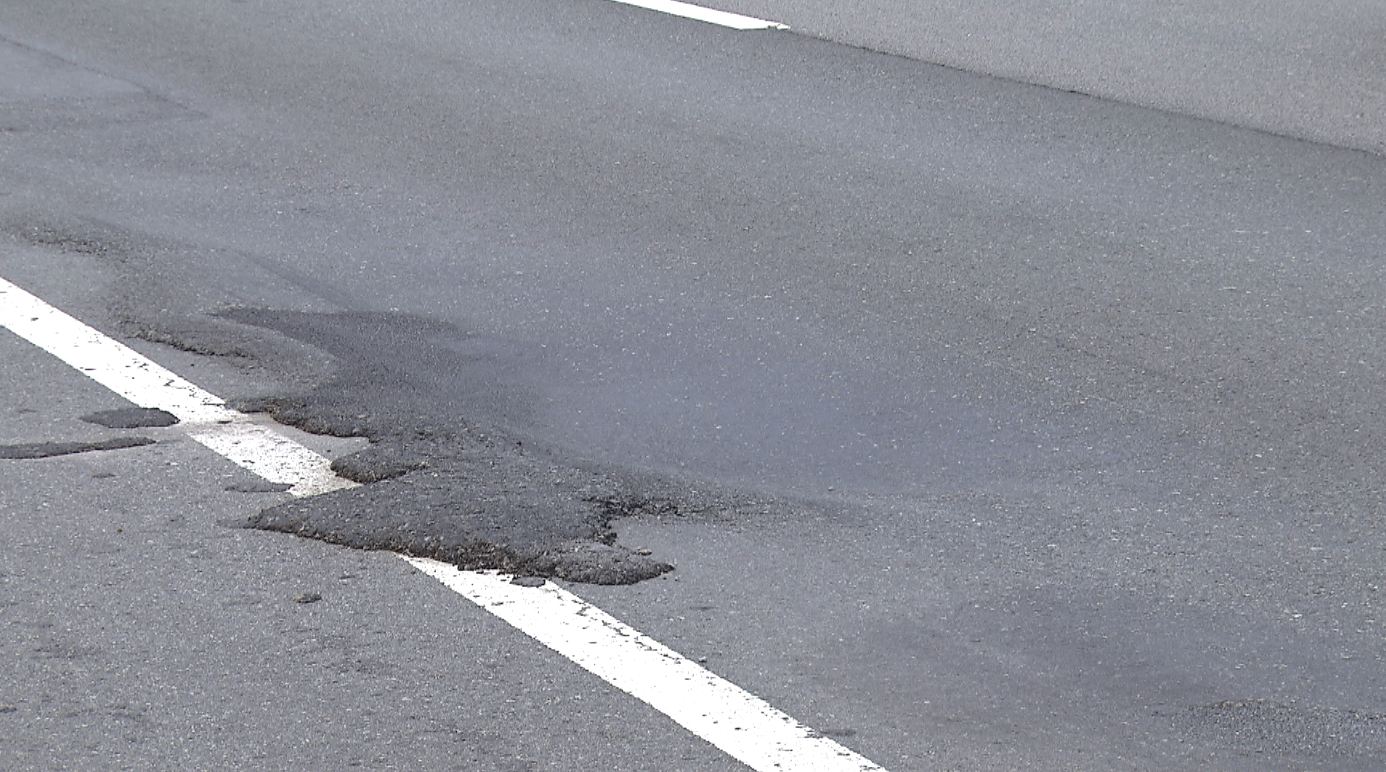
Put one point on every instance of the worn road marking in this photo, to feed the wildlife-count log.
(709, 15)
(722, 713)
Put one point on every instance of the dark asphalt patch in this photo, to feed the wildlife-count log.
(258, 486)
(436, 484)
(131, 418)
(50, 449)
(480, 503)
(374, 464)
(444, 477)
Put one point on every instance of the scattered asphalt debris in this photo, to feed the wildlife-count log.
(49, 449)
(44, 235)
(445, 475)
(307, 597)
(258, 486)
(528, 581)
(131, 418)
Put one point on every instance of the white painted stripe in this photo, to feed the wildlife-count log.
(741, 724)
(109, 363)
(274, 457)
(732, 719)
(138, 379)
(709, 15)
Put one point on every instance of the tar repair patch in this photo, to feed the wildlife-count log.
(438, 481)
(131, 418)
(49, 449)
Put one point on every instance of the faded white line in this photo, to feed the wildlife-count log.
(722, 713)
(709, 15)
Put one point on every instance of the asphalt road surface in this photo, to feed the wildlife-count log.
(972, 422)
(1311, 70)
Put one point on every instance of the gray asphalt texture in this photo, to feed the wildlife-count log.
(146, 630)
(1311, 70)
(1060, 416)
(144, 633)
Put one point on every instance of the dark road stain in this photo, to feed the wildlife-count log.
(258, 486)
(131, 418)
(444, 476)
(49, 449)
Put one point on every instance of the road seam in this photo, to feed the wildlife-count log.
(737, 722)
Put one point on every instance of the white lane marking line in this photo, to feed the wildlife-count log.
(722, 713)
(744, 726)
(145, 383)
(709, 15)
(274, 457)
(109, 363)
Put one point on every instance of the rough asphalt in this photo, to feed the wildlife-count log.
(1018, 427)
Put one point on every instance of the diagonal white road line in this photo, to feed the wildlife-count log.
(742, 725)
(712, 16)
